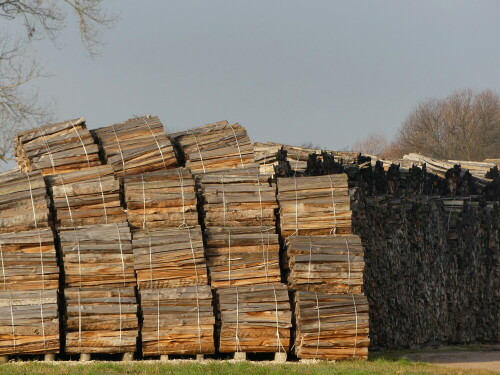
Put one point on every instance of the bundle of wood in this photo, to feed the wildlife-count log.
(177, 321)
(101, 320)
(161, 199)
(331, 326)
(242, 256)
(98, 256)
(137, 145)
(216, 147)
(238, 200)
(254, 318)
(29, 322)
(266, 156)
(169, 258)
(86, 197)
(331, 264)
(24, 203)
(28, 261)
(314, 205)
(56, 148)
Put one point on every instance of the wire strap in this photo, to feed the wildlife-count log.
(143, 202)
(199, 319)
(119, 147)
(260, 202)
(310, 261)
(81, 141)
(12, 323)
(43, 322)
(79, 257)
(296, 208)
(51, 158)
(198, 148)
(265, 252)
(79, 321)
(150, 261)
(278, 337)
(103, 198)
(181, 180)
(158, 323)
(3, 268)
(229, 255)
(319, 326)
(157, 144)
(349, 266)
(223, 202)
(356, 334)
(238, 145)
(120, 307)
(237, 347)
(121, 254)
(334, 229)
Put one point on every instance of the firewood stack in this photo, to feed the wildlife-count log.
(56, 148)
(136, 146)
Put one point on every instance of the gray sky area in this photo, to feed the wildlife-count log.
(326, 72)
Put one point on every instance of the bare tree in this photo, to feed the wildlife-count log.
(19, 67)
(464, 125)
(373, 144)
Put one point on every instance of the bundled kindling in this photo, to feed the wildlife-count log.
(331, 326)
(101, 320)
(136, 146)
(161, 199)
(86, 197)
(56, 148)
(24, 203)
(331, 264)
(177, 320)
(29, 322)
(254, 318)
(314, 205)
(216, 147)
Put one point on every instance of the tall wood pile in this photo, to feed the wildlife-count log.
(56, 148)
(136, 146)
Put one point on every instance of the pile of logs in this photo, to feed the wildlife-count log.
(254, 318)
(216, 147)
(56, 148)
(331, 326)
(161, 199)
(136, 146)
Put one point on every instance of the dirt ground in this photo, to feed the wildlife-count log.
(477, 360)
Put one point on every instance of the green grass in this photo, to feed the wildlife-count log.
(377, 366)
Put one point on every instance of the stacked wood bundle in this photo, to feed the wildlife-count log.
(331, 326)
(86, 197)
(266, 156)
(238, 200)
(24, 203)
(169, 258)
(216, 147)
(101, 320)
(136, 146)
(161, 199)
(28, 261)
(98, 256)
(314, 205)
(242, 256)
(254, 318)
(331, 264)
(29, 322)
(56, 148)
(178, 321)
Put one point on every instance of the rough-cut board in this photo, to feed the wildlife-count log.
(254, 318)
(29, 322)
(28, 261)
(177, 321)
(314, 205)
(331, 326)
(169, 257)
(86, 197)
(216, 147)
(98, 256)
(161, 199)
(331, 264)
(101, 320)
(56, 148)
(242, 256)
(137, 145)
(238, 200)
(24, 203)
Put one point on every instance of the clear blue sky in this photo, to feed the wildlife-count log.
(328, 72)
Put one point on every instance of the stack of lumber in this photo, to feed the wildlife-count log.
(56, 148)
(477, 169)
(86, 197)
(28, 261)
(242, 256)
(254, 318)
(161, 199)
(169, 258)
(216, 147)
(136, 146)
(24, 203)
(314, 205)
(98, 256)
(238, 200)
(29, 322)
(331, 326)
(178, 321)
(266, 156)
(101, 320)
(330, 264)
